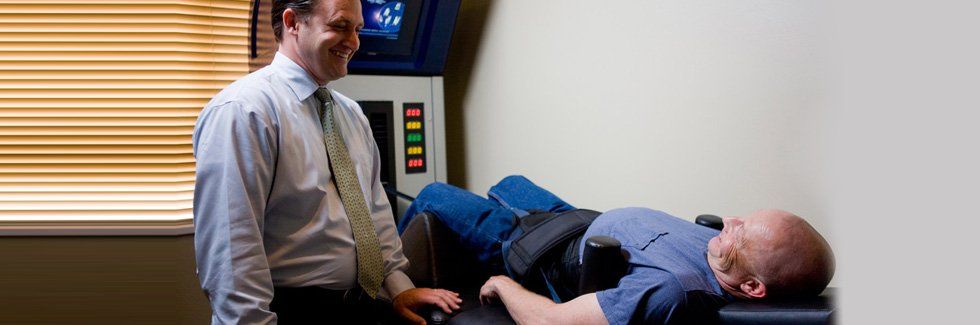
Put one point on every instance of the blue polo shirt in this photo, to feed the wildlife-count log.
(669, 280)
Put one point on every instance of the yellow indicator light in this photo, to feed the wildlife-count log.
(414, 150)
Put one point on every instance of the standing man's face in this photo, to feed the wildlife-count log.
(328, 39)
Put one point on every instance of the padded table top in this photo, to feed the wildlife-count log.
(815, 310)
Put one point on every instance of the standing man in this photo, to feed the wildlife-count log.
(292, 224)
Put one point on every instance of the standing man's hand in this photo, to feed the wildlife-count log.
(409, 301)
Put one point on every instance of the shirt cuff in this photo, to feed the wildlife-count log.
(396, 283)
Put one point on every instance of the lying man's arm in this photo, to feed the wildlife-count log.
(530, 308)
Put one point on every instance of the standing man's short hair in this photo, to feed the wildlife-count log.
(303, 9)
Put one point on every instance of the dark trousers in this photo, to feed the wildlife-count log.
(315, 305)
(561, 267)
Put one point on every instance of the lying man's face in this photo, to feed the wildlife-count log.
(730, 254)
(723, 249)
(769, 251)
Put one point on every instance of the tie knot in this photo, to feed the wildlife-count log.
(323, 95)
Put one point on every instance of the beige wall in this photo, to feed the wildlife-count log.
(685, 106)
(100, 280)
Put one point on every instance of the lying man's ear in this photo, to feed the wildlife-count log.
(753, 288)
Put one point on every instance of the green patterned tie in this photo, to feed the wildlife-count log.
(369, 265)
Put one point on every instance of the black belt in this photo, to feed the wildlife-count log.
(341, 297)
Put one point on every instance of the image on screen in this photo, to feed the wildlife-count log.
(383, 18)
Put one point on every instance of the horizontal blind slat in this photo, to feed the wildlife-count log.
(96, 215)
(96, 159)
(97, 187)
(119, 177)
(65, 149)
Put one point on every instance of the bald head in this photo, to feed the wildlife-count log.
(770, 253)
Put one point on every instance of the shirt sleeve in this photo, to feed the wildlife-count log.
(396, 281)
(235, 151)
(645, 296)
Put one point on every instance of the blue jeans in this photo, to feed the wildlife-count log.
(484, 224)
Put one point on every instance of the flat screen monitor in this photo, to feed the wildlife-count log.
(405, 37)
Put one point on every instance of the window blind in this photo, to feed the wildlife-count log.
(98, 101)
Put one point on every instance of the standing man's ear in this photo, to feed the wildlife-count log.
(289, 21)
(754, 288)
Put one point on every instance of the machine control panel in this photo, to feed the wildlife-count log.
(414, 138)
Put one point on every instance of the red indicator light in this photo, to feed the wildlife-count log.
(415, 163)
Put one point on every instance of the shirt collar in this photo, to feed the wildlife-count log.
(298, 80)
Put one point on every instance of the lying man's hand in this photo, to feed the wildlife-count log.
(409, 301)
(489, 291)
(527, 307)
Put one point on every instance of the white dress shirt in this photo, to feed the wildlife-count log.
(266, 211)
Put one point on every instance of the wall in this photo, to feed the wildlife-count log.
(100, 280)
(685, 106)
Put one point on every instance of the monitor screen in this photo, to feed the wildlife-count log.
(404, 37)
(389, 27)
(383, 18)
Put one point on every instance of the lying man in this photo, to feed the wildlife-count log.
(679, 272)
